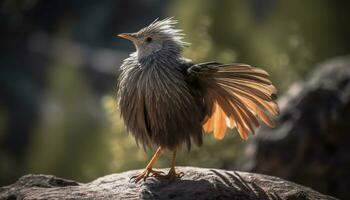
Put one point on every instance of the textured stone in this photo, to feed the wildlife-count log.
(197, 183)
(311, 142)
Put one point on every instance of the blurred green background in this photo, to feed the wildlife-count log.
(59, 68)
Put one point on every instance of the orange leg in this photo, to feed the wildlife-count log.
(149, 168)
(172, 174)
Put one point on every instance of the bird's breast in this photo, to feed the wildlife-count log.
(156, 104)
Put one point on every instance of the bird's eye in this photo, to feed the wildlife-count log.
(149, 39)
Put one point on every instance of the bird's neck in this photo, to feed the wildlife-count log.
(164, 56)
(169, 51)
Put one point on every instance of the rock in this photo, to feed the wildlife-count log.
(311, 142)
(197, 183)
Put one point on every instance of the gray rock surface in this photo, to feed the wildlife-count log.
(197, 183)
(311, 142)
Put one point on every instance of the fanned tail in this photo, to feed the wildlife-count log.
(238, 94)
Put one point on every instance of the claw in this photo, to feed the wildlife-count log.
(145, 174)
(157, 173)
(172, 174)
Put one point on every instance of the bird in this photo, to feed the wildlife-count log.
(167, 101)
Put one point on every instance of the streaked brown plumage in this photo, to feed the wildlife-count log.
(167, 100)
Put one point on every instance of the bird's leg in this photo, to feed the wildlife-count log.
(149, 168)
(172, 174)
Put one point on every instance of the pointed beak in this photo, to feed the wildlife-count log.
(128, 36)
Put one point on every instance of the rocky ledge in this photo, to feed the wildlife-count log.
(197, 183)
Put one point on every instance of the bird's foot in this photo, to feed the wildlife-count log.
(172, 174)
(145, 174)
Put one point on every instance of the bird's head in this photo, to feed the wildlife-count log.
(157, 38)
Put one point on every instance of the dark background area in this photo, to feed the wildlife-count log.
(59, 65)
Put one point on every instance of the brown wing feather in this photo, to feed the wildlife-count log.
(208, 125)
(219, 125)
(237, 95)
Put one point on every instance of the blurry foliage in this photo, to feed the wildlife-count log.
(283, 37)
(68, 141)
(3, 121)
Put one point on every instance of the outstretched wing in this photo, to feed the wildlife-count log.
(235, 96)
